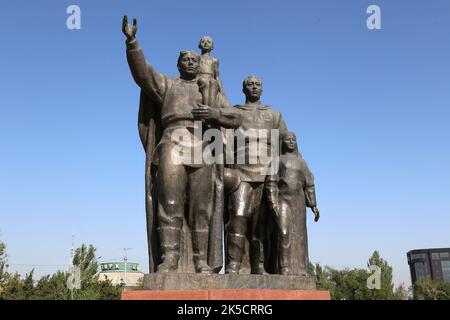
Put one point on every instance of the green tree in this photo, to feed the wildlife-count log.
(351, 284)
(443, 291)
(322, 275)
(92, 288)
(386, 290)
(402, 292)
(3, 266)
(54, 287)
(28, 286)
(426, 289)
(14, 289)
(86, 260)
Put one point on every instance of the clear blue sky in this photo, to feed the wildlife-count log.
(370, 108)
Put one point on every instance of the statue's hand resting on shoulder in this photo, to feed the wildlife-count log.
(129, 30)
(204, 112)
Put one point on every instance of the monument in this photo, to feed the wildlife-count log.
(225, 204)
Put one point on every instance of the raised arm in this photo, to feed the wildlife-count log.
(146, 77)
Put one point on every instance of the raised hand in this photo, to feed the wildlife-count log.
(316, 214)
(129, 30)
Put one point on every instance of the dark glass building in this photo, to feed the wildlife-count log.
(431, 264)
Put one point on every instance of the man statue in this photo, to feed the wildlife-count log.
(290, 190)
(246, 205)
(168, 104)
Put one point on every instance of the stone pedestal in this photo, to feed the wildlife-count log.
(195, 281)
(191, 286)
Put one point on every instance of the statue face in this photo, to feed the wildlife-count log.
(253, 89)
(290, 142)
(206, 44)
(188, 65)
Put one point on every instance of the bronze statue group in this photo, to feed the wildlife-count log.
(254, 212)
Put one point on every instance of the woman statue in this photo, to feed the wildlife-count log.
(290, 190)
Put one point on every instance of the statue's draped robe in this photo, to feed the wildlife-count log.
(149, 126)
(296, 192)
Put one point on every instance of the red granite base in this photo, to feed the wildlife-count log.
(240, 294)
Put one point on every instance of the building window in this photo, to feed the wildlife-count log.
(444, 255)
(418, 256)
(435, 255)
(445, 265)
(421, 270)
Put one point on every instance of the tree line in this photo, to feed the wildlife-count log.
(54, 287)
(351, 284)
(345, 284)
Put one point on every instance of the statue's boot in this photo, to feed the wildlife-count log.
(235, 248)
(170, 246)
(258, 257)
(260, 269)
(303, 271)
(284, 254)
(200, 246)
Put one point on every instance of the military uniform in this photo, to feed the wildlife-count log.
(246, 202)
